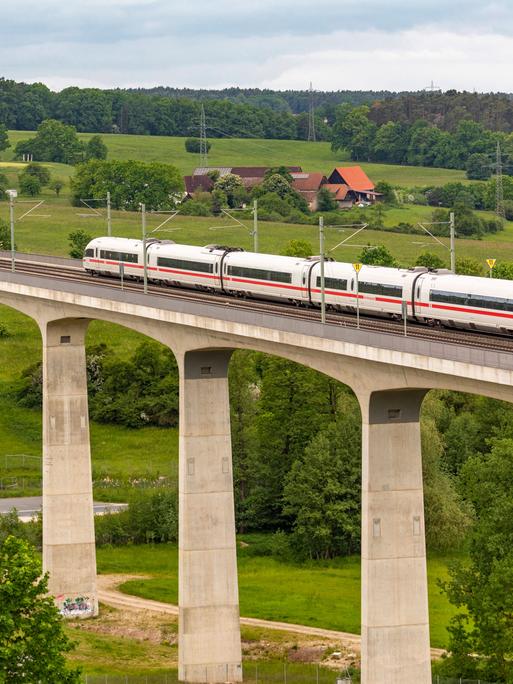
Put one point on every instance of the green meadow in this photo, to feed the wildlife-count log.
(319, 594)
(253, 152)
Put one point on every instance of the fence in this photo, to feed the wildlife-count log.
(253, 673)
(19, 461)
(458, 680)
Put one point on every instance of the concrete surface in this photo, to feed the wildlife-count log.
(29, 506)
(69, 552)
(209, 646)
(395, 618)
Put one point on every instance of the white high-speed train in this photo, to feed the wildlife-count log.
(428, 296)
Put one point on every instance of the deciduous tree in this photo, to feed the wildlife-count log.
(32, 640)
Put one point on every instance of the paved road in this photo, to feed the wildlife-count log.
(29, 506)
(108, 593)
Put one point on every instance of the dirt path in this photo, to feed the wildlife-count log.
(109, 593)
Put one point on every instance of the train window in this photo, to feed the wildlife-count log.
(380, 289)
(476, 300)
(119, 256)
(186, 264)
(89, 253)
(260, 274)
(333, 283)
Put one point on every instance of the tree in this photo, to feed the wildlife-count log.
(297, 248)
(386, 191)
(322, 490)
(130, 183)
(353, 131)
(39, 171)
(231, 185)
(481, 637)
(29, 185)
(95, 148)
(32, 639)
(78, 240)
(294, 404)
(5, 235)
(430, 260)
(376, 256)
(479, 166)
(4, 138)
(4, 185)
(448, 518)
(57, 185)
(326, 201)
(54, 142)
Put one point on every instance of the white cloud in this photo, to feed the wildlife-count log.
(393, 44)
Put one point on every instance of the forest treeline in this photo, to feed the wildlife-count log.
(24, 106)
(239, 112)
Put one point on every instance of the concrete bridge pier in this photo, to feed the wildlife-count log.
(209, 628)
(68, 522)
(395, 620)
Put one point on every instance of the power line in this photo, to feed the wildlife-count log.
(499, 189)
(203, 139)
(311, 115)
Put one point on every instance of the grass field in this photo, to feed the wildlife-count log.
(116, 451)
(254, 152)
(46, 231)
(320, 594)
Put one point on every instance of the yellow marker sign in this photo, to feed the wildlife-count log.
(357, 267)
(491, 262)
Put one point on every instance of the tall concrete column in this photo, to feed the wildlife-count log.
(68, 524)
(395, 620)
(209, 645)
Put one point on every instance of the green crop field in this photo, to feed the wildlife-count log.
(254, 152)
(320, 594)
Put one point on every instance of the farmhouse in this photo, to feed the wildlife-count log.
(350, 185)
(200, 180)
(308, 185)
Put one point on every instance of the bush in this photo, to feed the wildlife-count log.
(152, 517)
(78, 240)
(195, 208)
(193, 145)
(29, 185)
(3, 331)
(39, 171)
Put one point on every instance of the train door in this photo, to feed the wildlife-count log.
(306, 277)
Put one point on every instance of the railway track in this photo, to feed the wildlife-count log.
(377, 325)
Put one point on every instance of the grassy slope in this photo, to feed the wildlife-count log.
(317, 594)
(249, 152)
(116, 451)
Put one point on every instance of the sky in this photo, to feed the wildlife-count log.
(278, 44)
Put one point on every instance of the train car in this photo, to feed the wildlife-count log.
(465, 302)
(105, 255)
(265, 276)
(185, 265)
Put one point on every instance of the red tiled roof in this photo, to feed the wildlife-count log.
(339, 190)
(355, 177)
(308, 181)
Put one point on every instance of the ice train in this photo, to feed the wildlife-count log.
(430, 297)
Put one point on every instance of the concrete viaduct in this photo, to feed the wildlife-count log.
(389, 374)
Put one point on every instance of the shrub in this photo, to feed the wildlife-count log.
(193, 145)
(39, 171)
(29, 185)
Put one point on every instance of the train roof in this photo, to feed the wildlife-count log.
(116, 243)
